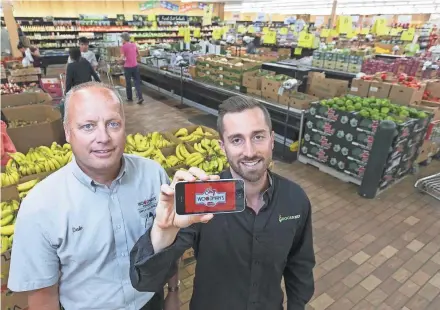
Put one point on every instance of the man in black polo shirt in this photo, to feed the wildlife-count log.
(241, 257)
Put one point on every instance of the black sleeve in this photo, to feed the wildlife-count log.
(93, 72)
(150, 271)
(69, 77)
(298, 273)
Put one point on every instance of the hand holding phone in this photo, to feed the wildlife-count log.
(166, 217)
(209, 197)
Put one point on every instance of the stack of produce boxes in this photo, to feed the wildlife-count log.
(225, 71)
(340, 61)
(340, 133)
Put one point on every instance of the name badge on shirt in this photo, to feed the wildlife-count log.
(147, 210)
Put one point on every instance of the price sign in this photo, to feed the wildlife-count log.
(181, 32)
(151, 17)
(365, 31)
(197, 33)
(408, 35)
(306, 39)
(251, 29)
(270, 37)
(297, 51)
(241, 29)
(324, 33)
(187, 36)
(380, 26)
(154, 26)
(265, 30)
(394, 31)
(217, 34)
(344, 24)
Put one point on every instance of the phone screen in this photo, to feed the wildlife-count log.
(222, 196)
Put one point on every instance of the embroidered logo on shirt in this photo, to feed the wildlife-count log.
(288, 218)
(146, 209)
(75, 229)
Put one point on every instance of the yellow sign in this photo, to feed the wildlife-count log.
(380, 27)
(187, 36)
(241, 29)
(306, 39)
(181, 32)
(324, 33)
(284, 31)
(265, 30)
(151, 17)
(154, 26)
(365, 31)
(196, 33)
(394, 32)
(334, 33)
(270, 37)
(217, 33)
(344, 24)
(408, 35)
(251, 29)
(350, 34)
(297, 51)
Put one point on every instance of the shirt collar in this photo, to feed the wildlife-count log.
(267, 193)
(88, 181)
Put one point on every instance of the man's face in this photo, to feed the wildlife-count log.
(83, 47)
(96, 129)
(248, 143)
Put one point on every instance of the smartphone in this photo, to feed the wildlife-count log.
(200, 197)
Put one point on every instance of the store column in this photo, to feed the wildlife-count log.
(219, 10)
(11, 26)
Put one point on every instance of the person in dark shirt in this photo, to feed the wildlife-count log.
(79, 71)
(241, 257)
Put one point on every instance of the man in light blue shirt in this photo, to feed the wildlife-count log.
(75, 229)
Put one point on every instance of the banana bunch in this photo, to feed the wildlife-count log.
(160, 158)
(214, 166)
(190, 159)
(172, 161)
(145, 145)
(216, 159)
(24, 188)
(7, 223)
(197, 134)
(41, 159)
(10, 176)
(294, 146)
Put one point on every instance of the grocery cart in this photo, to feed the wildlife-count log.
(54, 87)
(430, 185)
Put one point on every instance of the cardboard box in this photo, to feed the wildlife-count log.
(434, 88)
(296, 100)
(26, 71)
(122, 80)
(359, 88)
(427, 150)
(327, 88)
(251, 80)
(403, 95)
(432, 107)
(24, 78)
(318, 63)
(22, 99)
(38, 134)
(379, 89)
(254, 92)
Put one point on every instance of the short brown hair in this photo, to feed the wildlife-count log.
(237, 104)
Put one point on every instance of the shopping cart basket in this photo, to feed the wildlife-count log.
(54, 87)
(430, 185)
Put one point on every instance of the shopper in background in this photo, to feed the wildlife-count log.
(129, 53)
(241, 257)
(27, 55)
(86, 53)
(79, 70)
(75, 229)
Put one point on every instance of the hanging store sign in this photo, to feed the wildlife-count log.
(192, 6)
(169, 6)
(172, 18)
(147, 5)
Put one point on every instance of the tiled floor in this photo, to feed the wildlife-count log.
(371, 254)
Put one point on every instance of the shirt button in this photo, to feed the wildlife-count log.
(124, 254)
(118, 226)
(255, 284)
(256, 262)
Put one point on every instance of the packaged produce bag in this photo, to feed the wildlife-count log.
(7, 145)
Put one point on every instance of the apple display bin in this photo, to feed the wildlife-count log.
(372, 154)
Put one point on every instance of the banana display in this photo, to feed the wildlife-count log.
(37, 160)
(7, 223)
(208, 156)
(197, 134)
(24, 188)
(145, 145)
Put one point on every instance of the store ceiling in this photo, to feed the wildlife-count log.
(323, 7)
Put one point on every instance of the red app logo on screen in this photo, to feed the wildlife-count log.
(209, 197)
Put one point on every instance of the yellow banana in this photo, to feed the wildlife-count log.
(5, 244)
(6, 220)
(17, 156)
(219, 165)
(55, 163)
(179, 153)
(67, 146)
(6, 213)
(181, 132)
(7, 230)
(24, 187)
(15, 205)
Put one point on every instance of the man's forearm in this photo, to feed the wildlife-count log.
(161, 239)
(44, 299)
